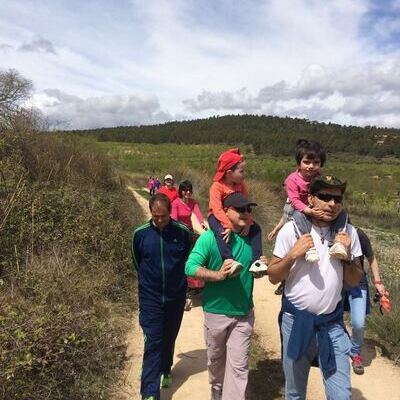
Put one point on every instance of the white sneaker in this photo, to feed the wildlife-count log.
(236, 267)
(258, 269)
(312, 255)
(339, 251)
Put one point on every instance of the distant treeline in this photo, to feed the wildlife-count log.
(267, 134)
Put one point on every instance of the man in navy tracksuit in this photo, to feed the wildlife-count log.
(160, 248)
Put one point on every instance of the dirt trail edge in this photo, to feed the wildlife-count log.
(380, 381)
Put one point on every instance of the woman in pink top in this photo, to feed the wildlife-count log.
(182, 209)
(184, 206)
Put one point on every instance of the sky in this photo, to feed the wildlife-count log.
(102, 63)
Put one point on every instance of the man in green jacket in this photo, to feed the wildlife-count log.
(227, 302)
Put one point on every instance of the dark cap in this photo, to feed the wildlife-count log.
(326, 182)
(237, 200)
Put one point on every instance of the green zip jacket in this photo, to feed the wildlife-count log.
(233, 297)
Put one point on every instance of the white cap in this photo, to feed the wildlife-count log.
(168, 176)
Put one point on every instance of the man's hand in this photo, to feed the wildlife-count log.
(345, 239)
(225, 270)
(226, 234)
(300, 248)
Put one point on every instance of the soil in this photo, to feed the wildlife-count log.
(381, 379)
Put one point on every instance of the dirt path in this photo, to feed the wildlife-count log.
(380, 381)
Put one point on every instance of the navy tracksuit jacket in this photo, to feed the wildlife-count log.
(159, 257)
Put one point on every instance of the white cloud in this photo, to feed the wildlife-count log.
(106, 111)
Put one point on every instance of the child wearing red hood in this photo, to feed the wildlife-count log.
(230, 179)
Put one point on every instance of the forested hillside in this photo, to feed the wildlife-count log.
(266, 134)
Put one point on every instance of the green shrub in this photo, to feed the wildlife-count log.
(65, 270)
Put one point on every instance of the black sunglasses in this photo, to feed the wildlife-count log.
(325, 197)
(244, 209)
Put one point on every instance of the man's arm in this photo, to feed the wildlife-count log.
(279, 268)
(135, 251)
(214, 276)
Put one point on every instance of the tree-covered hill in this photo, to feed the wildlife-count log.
(267, 134)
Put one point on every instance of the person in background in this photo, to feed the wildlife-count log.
(311, 317)
(150, 185)
(157, 184)
(184, 206)
(160, 248)
(230, 179)
(227, 302)
(182, 209)
(357, 301)
(168, 188)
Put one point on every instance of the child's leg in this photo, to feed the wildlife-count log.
(302, 222)
(256, 241)
(223, 247)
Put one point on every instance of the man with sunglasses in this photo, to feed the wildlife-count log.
(311, 318)
(227, 301)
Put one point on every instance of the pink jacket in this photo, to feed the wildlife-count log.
(183, 212)
(297, 190)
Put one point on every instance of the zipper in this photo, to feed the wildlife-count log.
(162, 267)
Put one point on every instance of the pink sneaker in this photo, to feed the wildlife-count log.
(357, 364)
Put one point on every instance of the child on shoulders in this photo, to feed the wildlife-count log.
(230, 179)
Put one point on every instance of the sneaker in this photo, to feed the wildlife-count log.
(339, 251)
(166, 381)
(188, 304)
(258, 269)
(357, 364)
(216, 394)
(312, 255)
(236, 267)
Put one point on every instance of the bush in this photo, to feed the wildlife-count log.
(65, 271)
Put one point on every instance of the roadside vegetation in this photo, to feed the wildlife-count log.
(66, 286)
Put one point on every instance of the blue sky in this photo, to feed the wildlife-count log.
(102, 63)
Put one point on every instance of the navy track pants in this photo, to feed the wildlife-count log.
(160, 326)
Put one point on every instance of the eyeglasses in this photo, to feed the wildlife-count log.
(241, 210)
(325, 197)
(187, 190)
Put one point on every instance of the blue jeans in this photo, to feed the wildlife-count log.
(358, 310)
(337, 385)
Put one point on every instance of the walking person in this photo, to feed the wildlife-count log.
(227, 301)
(168, 188)
(183, 207)
(160, 248)
(311, 318)
(358, 303)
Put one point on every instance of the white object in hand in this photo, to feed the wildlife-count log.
(339, 251)
(236, 267)
(312, 255)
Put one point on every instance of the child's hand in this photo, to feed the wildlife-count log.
(317, 213)
(226, 234)
(245, 231)
(271, 235)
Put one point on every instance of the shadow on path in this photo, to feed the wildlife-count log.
(190, 363)
(266, 380)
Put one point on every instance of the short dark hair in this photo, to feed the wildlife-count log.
(311, 150)
(160, 198)
(185, 185)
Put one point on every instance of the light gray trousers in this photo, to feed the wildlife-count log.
(228, 346)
